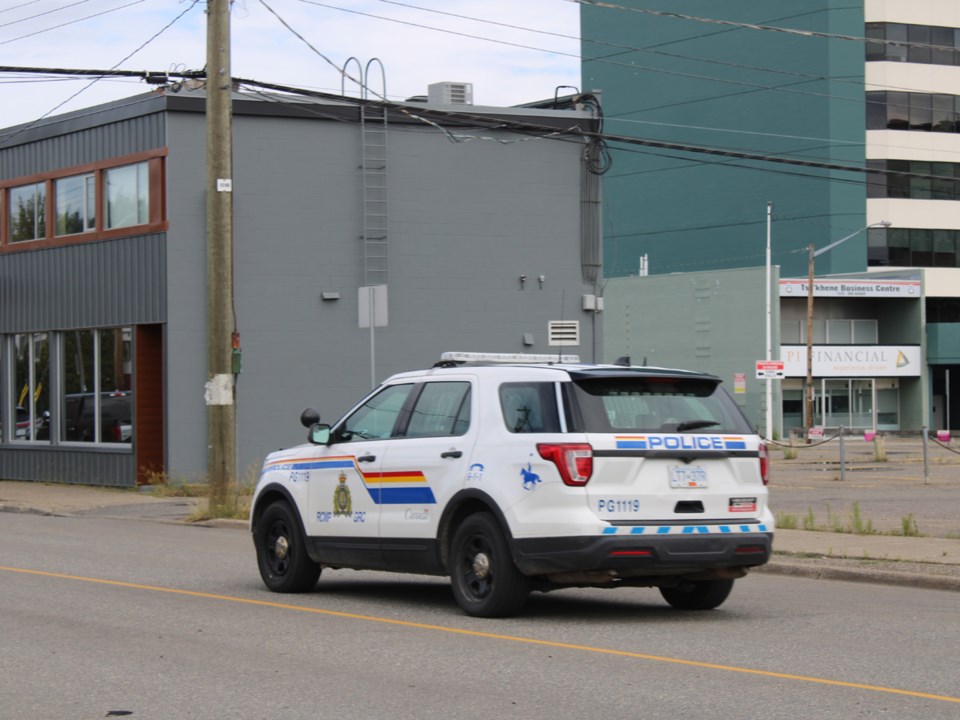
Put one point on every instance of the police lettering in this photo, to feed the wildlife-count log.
(685, 442)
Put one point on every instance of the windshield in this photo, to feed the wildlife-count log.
(657, 404)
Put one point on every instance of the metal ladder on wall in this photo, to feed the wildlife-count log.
(373, 168)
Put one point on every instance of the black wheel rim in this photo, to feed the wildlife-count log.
(278, 537)
(476, 568)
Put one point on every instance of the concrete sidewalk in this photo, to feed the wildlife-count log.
(932, 562)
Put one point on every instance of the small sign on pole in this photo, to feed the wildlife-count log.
(769, 369)
(739, 383)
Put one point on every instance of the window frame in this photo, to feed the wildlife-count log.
(86, 179)
(156, 198)
(39, 205)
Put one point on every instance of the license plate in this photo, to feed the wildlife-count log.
(688, 477)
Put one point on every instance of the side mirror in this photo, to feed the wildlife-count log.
(309, 417)
(319, 434)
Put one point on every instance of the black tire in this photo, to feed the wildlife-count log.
(281, 552)
(697, 594)
(486, 582)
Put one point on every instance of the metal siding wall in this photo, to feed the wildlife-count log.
(116, 139)
(115, 282)
(114, 469)
(465, 221)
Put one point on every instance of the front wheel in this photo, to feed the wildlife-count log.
(282, 553)
(486, 583)
(697, 594)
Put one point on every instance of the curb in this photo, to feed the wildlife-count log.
(878, 577)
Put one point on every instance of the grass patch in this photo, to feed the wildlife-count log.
(855, 524)
(908, 526)
(786, 521)
(238, 496)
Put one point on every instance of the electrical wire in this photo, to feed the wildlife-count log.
(86, 87)
(44, 13)
(751, 87)
(767, 28)
(72, 22)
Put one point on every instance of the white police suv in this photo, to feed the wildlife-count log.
(513, 473)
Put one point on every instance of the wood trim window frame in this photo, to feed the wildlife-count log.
(157, 220)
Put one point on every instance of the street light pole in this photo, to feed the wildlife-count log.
(769, 389)
(813, 254)
(809, 415)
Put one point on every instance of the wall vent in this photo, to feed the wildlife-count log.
(564, 333)
(450, 93)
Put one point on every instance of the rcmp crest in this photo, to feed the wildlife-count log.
(341, 497)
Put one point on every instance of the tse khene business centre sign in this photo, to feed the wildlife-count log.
(852, 360)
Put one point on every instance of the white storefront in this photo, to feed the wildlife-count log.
(863, 350)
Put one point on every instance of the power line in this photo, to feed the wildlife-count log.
(752, 87)
(72, 22)
(45, 12)
(86, 87)
(767, 28)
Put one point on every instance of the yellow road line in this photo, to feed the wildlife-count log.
(491, 636)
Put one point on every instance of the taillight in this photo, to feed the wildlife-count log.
(573, 460)
(764, 463)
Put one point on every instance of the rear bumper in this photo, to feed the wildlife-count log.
(642, 555)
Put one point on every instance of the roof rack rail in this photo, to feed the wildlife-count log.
(449, 359)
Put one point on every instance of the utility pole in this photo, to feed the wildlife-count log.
(221, 415)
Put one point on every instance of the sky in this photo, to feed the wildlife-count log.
(418, 42)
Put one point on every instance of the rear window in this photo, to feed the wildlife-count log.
(654, 404)
(530, 407)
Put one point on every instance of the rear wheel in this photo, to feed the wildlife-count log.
(697, 594)
(486, 583)
(282, 553)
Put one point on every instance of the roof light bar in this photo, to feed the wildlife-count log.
(507, 357)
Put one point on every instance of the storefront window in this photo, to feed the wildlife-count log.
(888, 410)
(32, 384)
(97, 403)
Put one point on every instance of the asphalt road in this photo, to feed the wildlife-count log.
(103, 617)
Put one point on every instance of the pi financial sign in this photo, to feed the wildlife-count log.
(853, 360)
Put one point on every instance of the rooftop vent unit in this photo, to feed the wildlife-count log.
(450, 93)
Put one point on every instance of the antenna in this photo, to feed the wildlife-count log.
(563, 302)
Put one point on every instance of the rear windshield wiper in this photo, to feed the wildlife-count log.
(695, 424)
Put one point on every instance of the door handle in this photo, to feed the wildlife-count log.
(366, 458)
(452, 454)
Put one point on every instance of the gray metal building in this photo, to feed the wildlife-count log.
(486, 237)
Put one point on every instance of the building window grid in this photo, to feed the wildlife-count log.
(843, 331)
(943, 44)
(918, 112)
(84, 205)
(913, 247)
(913, 180)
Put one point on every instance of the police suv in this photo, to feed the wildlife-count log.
(513, 473)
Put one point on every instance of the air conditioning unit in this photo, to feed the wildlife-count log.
(450, 93)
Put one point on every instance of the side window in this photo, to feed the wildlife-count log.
(442, 409)
(28, 212)
(529, 407)
(377, 417)
(126, 198)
